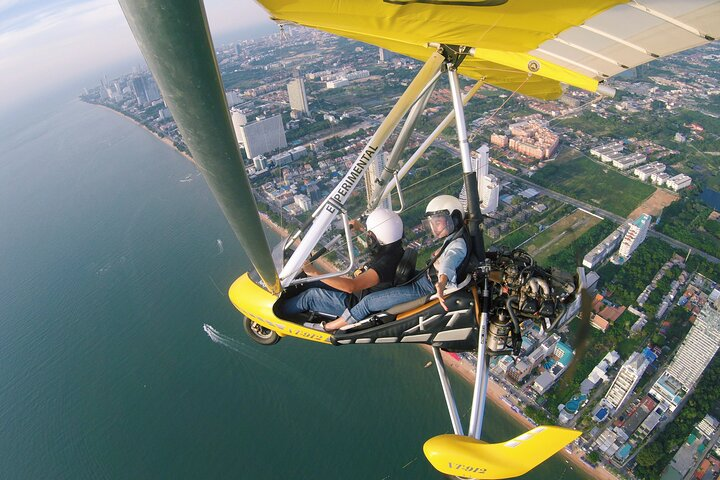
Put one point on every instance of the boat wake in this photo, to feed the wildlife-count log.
(256, 365)
(246, 351)
(223, 340)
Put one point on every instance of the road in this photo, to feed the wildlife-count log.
(577, 203)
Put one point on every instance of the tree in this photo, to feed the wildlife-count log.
(651, 454)
(593, 457)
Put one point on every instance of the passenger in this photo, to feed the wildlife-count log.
(444, 219)
(384, 235)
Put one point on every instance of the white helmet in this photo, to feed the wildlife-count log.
(443, 215)
(386, 225)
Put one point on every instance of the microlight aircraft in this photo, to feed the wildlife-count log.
(524, 46)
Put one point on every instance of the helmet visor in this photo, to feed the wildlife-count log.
(439, 224)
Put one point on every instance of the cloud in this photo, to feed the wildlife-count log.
(46, 45)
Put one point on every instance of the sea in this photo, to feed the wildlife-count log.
(121, 356)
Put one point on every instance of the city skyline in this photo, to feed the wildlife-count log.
(56, 46)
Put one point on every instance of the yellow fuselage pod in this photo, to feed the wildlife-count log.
(256, 303)
(470, 458)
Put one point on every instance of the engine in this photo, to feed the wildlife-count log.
(520, 291)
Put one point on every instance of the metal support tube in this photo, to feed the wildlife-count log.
(401, 199)
(426, 144)
(447, 390)
(477, 410)
(469, 176)
(175, 40)
(400, 144)
(346, 186)
(351, 257)
(460, 120)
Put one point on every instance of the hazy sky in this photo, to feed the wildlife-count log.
(49, 44)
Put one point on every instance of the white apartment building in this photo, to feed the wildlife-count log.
(303, 202)
(678, 182)
(697, 350)
(646, 171)
(260, 163)
(602, 150)
(626, 380)
(698, 347)
(629, 161)
(604, 248)
(635, 236)
(297, 96)
(263, 136)
(659, 178)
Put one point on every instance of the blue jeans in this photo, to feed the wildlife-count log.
(322, 300)
(384, 299)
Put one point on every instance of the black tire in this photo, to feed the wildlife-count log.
(260, 334)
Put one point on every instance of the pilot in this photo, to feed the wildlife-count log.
(384, 237)
(444, 219)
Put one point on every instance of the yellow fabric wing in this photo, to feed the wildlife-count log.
(522, 45)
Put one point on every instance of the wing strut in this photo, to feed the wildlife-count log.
(400, 144)
(467, 456)
(175, 40)
(393, 183)
(335, 202)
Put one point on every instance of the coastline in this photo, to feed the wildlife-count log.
(165, 140)
(495, 392)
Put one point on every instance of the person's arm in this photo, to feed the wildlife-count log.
(440, 289)
(447, 265)
(367, 279)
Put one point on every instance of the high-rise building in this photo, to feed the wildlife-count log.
(239, 120)
(635, 235)
(626, 380)
(145, 89)
(382, 55)
(303, 202)
(604, 248)
(138, 89)
(260, 163)
(263, 136)
(488, 185)
(697, 350)
(297, 95)
(151, 88)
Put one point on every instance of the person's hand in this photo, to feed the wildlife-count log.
(355, 225)
(440, 289)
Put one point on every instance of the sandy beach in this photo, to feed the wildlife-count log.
(495, 392)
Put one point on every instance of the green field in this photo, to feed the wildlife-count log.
(560, 235)
(518, 236)
(588, 181)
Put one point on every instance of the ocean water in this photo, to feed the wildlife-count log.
(121, 356)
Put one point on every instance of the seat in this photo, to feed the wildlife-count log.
(412, 304)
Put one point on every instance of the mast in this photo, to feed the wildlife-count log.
(175, 40)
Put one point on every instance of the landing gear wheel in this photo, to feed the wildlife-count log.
(260, 334)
